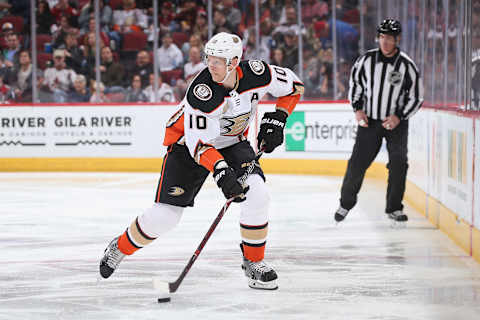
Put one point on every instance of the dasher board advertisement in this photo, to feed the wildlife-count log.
(83, 131)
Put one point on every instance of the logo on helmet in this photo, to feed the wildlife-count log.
(202, 92)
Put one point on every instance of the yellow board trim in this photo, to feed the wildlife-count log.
(81, 164)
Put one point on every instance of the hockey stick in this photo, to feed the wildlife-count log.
(173, 286)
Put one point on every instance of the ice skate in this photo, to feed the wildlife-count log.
(340, 214)
(260, 275)
(111, 259)
(399, 219)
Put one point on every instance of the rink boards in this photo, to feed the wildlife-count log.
(444, 149)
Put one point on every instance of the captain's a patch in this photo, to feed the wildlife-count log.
(257, 67)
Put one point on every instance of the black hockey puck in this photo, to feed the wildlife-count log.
(162, 300)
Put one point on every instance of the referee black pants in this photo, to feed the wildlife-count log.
(367, 145)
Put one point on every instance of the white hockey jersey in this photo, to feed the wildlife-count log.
(212, 116)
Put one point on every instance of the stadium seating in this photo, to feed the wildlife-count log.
(41, 40)
(179, 38)
(170, 77)
(43, 59)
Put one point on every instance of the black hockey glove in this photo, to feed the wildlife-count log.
(226, 179)
(270, 135)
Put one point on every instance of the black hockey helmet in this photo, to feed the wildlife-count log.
(390, 26)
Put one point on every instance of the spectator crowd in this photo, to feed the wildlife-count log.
(66, 45)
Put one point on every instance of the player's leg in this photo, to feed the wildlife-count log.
(253, 218)
(366, 147)
(397, 146)
(179, 183)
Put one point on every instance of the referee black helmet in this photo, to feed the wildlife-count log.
(390, 26)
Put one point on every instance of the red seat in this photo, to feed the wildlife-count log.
(115, 4)
(42, 59)
(134, 41)
(17, 22)
(168, 76)
(179, 38)
(41, 40)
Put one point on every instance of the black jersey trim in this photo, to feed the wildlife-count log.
(250, 80)
(218, 93)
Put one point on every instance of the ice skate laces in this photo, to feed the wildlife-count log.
(260, 267)
(114, 256)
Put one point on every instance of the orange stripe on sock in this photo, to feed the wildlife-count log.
(125, 246)
(254, 254)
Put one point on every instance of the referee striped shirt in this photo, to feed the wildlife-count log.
(383, 86)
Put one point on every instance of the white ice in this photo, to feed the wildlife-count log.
(55, 226)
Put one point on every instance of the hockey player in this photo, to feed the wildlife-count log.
(208, 134)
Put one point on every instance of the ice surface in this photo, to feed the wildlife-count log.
(55, 226)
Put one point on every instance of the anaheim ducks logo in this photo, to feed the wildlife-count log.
(176, 191)
(395, 78)
(232, 126)
(257, 66)
(202, 92)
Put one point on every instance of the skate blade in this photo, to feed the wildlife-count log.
(257, 284)
(398, 224)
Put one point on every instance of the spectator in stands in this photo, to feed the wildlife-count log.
(45, 20)
(60, 33)
(74, 57)
(347, 38)
(7, 29)
(89, 49)
(91, 28)
(143, 67)
(250, 49)
(6, 93)
(112, 73)
(129, 18)
(194, 41)
(134, 92)
(166, 21)
(63, 8)
(314, 9)
(221, 23)
(290, 48)
(169, 55)
(290, 23)
(23, 75)
(59, 79)
(88, 11)
(201, 26)
(10, 54)
(186, 15)
(278, 57)
(164, 92)
(232, 14)
(98, 93)
(195, 65)
(80, 92)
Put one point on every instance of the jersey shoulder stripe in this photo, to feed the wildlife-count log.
(256, 74)
(204, 94)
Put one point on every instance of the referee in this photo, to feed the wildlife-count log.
(385, 91)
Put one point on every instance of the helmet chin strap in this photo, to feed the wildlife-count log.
(227, 74)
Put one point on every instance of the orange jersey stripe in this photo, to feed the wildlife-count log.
(209, 158)
(288, 103)
(174, 132)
